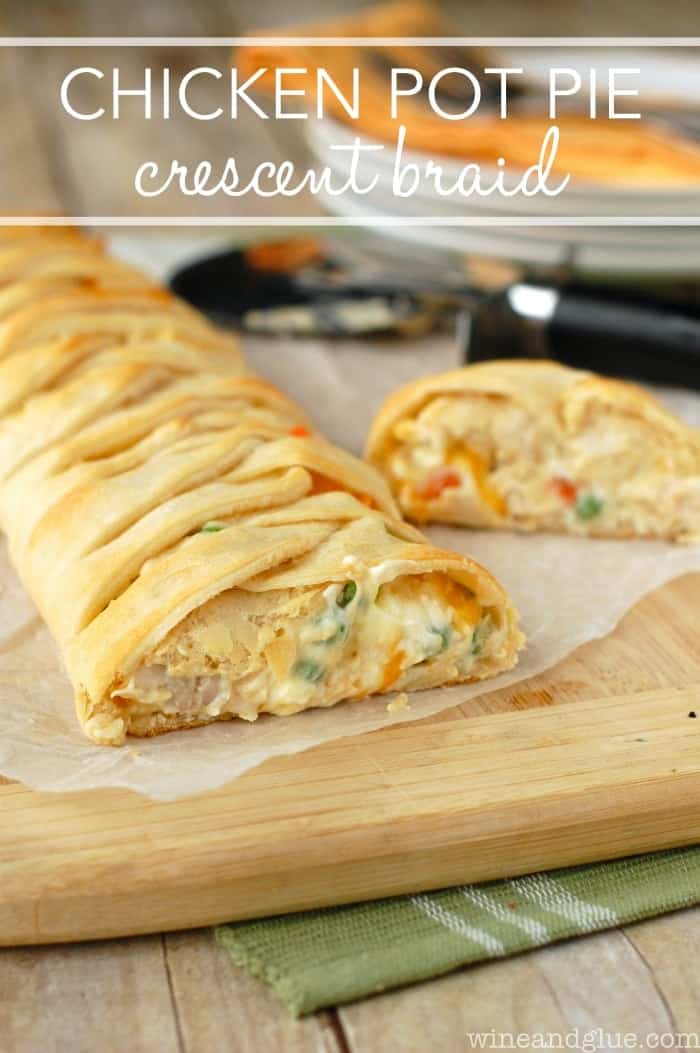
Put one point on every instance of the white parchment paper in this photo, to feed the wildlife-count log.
(568, 590)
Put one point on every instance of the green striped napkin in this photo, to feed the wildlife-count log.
(326, 957)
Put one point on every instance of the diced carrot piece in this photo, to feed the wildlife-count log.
(566, 490)
(322, 484)
(299, 431)
(438, 481)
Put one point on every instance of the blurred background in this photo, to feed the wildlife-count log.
(50, 162)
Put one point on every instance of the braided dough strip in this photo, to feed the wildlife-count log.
(197, 550)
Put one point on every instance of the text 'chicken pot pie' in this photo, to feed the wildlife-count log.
(197, 550)
(533, 445)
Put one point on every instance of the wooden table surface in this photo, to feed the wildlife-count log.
(181, 992)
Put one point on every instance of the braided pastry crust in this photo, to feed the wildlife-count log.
(197, 550)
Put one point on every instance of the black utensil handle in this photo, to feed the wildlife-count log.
(624, 339)
(645, 342)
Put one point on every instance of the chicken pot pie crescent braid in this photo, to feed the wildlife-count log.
(533, 445)
(197, 550)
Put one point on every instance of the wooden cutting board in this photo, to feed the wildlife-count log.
(598, 758)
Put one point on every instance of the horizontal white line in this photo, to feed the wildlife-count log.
(334, 42)
(348, 221)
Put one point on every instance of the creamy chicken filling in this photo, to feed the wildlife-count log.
(484, 464)
(355, 638)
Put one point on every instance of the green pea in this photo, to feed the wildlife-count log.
(480, 635)
(308, 670)
(589, 506)
(212, 527)
(339, 636)
(445, 634)
(347, 594)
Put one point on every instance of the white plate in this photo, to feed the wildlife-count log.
(628, 250)
(582, 198)
(560, 246)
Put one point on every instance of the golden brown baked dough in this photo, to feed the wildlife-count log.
(197, 550)
(533, 445)
(614, 152)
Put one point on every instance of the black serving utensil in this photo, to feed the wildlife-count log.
(618, 333)
(320, 297)
(626, 333)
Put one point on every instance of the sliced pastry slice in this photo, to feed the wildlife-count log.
(533, 445)
(314, 603)
(197, 549)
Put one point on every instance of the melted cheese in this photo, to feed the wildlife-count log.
(370, 644)
(465, 457)
(393, 669)
(513, 463)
